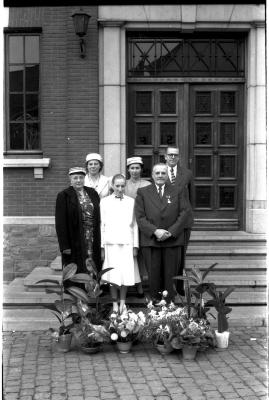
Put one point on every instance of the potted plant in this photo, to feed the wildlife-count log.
(125, 328)
(219, 302)
(63, 308)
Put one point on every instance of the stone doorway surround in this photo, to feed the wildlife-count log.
(114, 21)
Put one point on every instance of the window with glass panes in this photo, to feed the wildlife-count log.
(23, 120)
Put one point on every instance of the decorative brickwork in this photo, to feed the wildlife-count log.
(27, 247)
(68, 107)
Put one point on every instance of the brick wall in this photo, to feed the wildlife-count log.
(68, 107)
(27, 247)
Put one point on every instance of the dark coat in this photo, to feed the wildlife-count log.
(184, 182)
(69, 228)
(152, 213)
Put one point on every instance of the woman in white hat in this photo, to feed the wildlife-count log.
(94, 178)
(134, 166)
(119, 242)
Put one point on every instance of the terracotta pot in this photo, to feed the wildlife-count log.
(189, 352)
(222, 339)
(124, 347)
(91, 349)
(63, 344)
(164, 348)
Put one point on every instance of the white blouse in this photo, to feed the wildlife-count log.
(118, 223)
(101, 185)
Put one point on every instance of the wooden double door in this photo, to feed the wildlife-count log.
(206, 122)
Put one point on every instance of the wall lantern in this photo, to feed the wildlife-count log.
(80, 21)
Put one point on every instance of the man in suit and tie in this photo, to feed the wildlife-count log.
(181, 177)
(161, 212)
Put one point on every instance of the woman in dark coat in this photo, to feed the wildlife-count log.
(77, 221)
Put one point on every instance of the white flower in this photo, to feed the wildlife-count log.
(114, 336)
(150, 305)
(161, 303)
(124, 333)
(113, 316)
(165, 293)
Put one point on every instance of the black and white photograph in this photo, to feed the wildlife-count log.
(134, 200)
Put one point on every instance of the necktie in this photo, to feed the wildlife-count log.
(173, 178)
(160, 192)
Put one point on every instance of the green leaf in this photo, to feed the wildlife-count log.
(196, 275)
(65, 305)
(69, 271)
(227, 292)
(56, 282)
(56, 290)
(101, 273)
(57, 315)
(81, 278)
(208, 270)
(78, 293)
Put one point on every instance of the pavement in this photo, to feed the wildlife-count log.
(33, 369)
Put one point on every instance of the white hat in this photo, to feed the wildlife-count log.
(134, 160)
(77, 170)
(94, 156)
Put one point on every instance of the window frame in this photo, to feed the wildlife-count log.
(9, 32)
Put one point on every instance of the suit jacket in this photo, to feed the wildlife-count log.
(168, 213)
(184, 182)
(69, 227)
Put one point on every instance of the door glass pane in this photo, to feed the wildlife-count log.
(227, 196)
(227, 133)
(143, 103)
(203, 103)
(143, 133)
(16, 79)
(227, 166)
(168, 103)
(31, 106)
(16, 49)
(203, 133)
(16, 136)
(148, 163)
(203, 196)
(227, 102)
(203, 166)
(168, 133)
(32, 137)
(32, 78)
(32, 49)
(16, 107)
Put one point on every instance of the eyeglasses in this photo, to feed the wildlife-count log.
(172, 155)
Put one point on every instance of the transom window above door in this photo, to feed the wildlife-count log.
(185, 55)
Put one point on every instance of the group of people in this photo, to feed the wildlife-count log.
(137, 228)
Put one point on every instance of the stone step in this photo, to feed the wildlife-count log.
(42, 319)
(16, 296)
(218, 277)
(228, 265)
(226, 250)
(229, 236)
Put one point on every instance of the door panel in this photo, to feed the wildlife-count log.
(154, 121)
(216, 144)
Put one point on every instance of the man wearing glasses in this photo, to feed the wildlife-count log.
(181, 177)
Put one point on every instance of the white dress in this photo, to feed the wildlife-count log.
(119, 235)
(102, 185)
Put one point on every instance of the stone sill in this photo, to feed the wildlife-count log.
(30, 220)
(36, 163)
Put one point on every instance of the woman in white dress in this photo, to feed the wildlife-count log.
(119, 242)
(134, 166)
(94, 178)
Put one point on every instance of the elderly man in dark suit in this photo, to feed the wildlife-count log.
(161, 212)
(181, 177)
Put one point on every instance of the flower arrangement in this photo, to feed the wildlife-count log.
(170, 324)
(127, 326)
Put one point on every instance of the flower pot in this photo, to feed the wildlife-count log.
(189, 352)
(222, 339)
(91, 348)
(64, 343)
(124, 347)
(164, 348)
